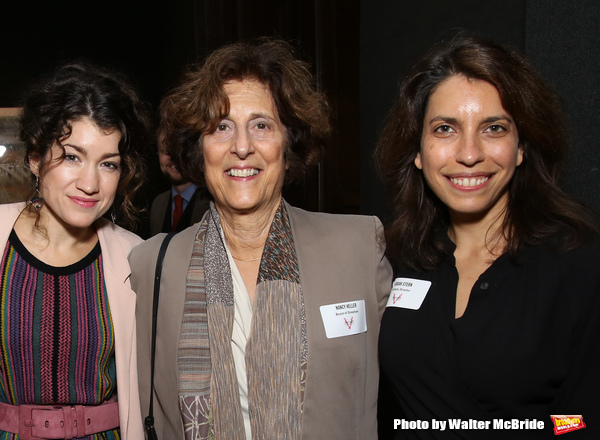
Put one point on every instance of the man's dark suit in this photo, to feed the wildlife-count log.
(161, 212)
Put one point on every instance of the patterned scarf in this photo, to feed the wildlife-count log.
(276, 351)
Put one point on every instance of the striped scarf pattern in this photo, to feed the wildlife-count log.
(276, 354)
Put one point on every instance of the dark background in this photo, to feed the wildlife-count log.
(359, 51)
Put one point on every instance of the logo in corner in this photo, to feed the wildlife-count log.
(564, 424)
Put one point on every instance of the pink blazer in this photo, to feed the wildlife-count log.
(116, 243)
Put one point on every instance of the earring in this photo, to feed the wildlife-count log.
(37, 201)
(113, 216)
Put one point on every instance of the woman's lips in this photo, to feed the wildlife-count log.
(469, 181)
(242, 172)
(83, 202)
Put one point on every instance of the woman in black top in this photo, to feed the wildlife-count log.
(495, 311)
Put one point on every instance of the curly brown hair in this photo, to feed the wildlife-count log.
(195, 107)
(81, 90)
(538, 211)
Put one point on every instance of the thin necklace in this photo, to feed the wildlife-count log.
(246, 261)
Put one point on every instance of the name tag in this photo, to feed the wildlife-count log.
(408, 293)
(344, 319)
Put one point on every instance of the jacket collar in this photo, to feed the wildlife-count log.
(114, 255)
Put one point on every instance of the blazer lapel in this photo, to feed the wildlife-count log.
(121, 300)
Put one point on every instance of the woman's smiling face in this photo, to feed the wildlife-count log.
(244, 159)
(469, 147)
(81, 187)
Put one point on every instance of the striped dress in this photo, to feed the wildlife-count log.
(56, 334)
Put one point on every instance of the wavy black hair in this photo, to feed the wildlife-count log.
(81, 90)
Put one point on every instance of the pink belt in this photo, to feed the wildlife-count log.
(58, 422)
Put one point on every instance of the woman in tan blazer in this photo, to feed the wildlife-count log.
(67, 310)
(269, 315)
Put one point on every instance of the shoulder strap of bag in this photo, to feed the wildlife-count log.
(149, 421)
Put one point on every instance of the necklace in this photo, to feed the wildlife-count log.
(246, 261)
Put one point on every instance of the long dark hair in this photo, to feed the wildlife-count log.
(81, 90)
(538, 211)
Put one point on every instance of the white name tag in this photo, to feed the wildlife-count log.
(408, 293)
(344, 319)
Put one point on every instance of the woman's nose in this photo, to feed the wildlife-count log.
(88, 180)
(243, 144)
(470, 150)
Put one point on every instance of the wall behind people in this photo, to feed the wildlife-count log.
(154, 42)
(377, 39)
(325, 33)
(560, 38)
(149, 42)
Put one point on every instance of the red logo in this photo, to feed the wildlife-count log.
(564, 424)
(349, 324)
(394, 298)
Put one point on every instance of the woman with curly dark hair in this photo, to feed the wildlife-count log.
(264, 308)
(494, 311)
(67, 312)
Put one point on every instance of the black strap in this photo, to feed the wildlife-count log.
(149, 421)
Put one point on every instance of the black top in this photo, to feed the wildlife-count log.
(527, 347)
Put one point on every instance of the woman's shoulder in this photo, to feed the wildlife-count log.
(584, 256)
(337, 233)
(577, 267)
(148, 247)
(8, 216)
(113, 232)
(553, 249)
(148, 250)
(11, 209)
(335, 222)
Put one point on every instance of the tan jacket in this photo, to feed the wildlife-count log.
(116, 243)
(340, 259)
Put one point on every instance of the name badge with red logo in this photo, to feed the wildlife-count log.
(564, 424)
(408, 293)
(344, 319)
